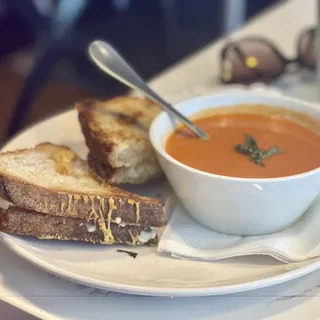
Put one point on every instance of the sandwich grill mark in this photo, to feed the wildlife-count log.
(4, 191)
(129, 119)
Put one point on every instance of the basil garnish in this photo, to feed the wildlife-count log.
(257, 155)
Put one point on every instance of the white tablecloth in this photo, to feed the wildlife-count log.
(197, 74)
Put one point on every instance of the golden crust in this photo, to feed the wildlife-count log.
(77, 204)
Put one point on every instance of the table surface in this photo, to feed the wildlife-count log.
(42, 294)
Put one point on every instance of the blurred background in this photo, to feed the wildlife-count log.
(44, 66)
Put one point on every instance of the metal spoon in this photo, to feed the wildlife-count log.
(111, 62)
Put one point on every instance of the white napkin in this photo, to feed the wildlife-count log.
(186, 239)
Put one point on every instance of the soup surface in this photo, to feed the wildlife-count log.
(300, 146)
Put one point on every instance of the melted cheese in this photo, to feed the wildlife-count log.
(134, 240)
(48, 237)
(69, 209)
(117, 220)
(91, 227)
(111, 208)
(137, 205)
(98, 216)
(97, 212)
(146, 236)
(137, 212)
(143, 237)
(85, 199)
(93, 214)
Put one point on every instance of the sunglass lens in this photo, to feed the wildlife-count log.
(250, 60)
(306, 49)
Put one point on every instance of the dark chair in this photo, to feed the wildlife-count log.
(55, 30)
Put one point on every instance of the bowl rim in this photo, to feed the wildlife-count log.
(154, 137)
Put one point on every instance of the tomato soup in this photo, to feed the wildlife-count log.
(299, 145)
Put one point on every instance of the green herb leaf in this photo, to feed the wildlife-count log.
(257, 158)
(242, 149)
(251, 148)
(273, 151)
(250, 143)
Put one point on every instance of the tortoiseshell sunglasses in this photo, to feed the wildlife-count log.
(256, 59)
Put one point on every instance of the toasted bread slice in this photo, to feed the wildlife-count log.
(116, 133)
(19, 221)
(54, 180)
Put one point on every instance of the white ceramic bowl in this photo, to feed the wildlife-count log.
(238, 206)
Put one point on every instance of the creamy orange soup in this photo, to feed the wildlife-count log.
(299, 144)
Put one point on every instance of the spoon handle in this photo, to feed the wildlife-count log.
(110, 61)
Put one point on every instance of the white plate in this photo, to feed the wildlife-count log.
(149, 274)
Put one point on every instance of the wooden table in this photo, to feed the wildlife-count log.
(24, 285)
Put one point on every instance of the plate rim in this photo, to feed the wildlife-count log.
(156, 291)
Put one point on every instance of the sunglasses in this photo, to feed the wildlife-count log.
(257, 59)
